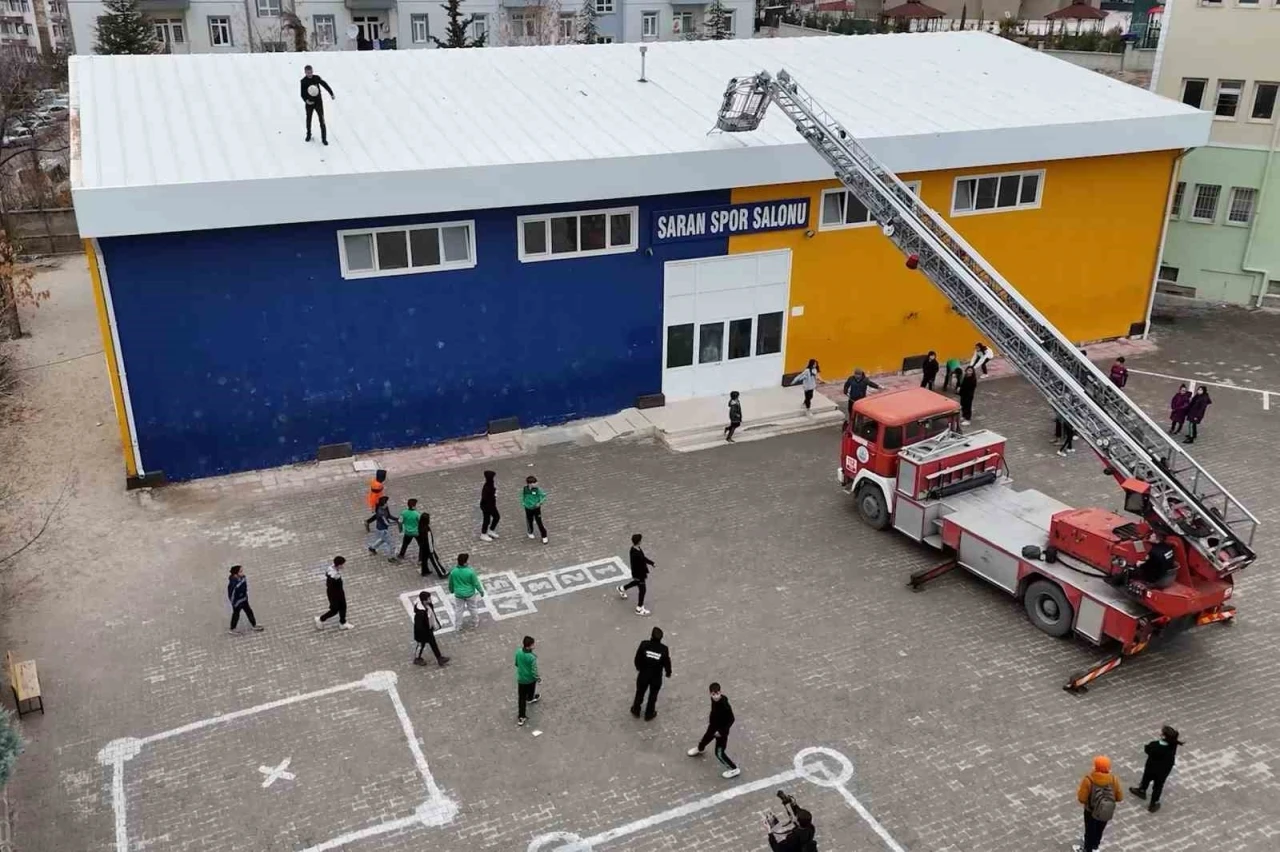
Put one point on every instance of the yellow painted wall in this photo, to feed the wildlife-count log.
(1086, 258)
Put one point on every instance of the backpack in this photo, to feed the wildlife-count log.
(1102, 801)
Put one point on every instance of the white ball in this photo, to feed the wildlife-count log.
(313, 91)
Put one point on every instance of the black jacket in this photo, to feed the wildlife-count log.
(930, 369)
(308, 82)
(639, 563)
(422, 626)
(1161, 756)
(488, 495)
(333, 585)
(721, 719)
(968, 386)
(856, 388)
(653, 659)
(797, 840)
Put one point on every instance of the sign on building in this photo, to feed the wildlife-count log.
(701, 223)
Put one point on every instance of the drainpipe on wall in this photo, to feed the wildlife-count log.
(1264, 274)
(1164, 234)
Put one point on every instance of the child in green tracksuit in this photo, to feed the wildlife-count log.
(954, 371)
(467, 590)
(526, 678)
(532, 498)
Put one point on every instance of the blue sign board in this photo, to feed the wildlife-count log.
(700, 223)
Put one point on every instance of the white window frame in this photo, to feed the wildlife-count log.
(414, 20)
(604, 7)
(1021, 205)
(322, 24)
(1275, 101)
(1204, 90)
(480, 26)
(170, 30)
(223, 23)
(913, 185)
(1179, 199)
(649, 17)
(268, 8)
(523, 24)
(1217, 98)
(677, 22)
(632, 245)
(370, 25)
(443, 266)
(568, 24)
(1232, 200)
(1195, 199)
(731, 22)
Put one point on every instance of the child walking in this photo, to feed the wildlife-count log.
(526, 679)
(640, 565)
(929, 370)
(337, 595)
(467, 590)
(718, 725)
(489, 508)
(968, 387)
(424, 612)
(427, 555)
(735, 416)
(531, 498)
(381, 535)
(1178, 407)
(238, 595)
(409, 527)
(809, 378)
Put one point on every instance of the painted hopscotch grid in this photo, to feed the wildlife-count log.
(436, 810)
(508, 595)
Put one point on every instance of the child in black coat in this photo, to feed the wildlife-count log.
(1161, 754)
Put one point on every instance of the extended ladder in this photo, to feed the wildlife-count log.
(1183, 494)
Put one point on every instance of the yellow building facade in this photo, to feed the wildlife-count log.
(1085, 254)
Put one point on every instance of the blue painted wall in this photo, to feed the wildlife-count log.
(246, 348)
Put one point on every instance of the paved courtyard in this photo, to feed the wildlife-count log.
(165, 733)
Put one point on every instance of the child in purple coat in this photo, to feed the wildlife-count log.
(1199, 406)
(1178, 409)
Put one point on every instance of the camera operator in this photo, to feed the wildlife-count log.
(797, 833)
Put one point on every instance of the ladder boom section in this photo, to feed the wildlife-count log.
(1184, 496)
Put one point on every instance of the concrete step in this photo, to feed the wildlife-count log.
(692, 440)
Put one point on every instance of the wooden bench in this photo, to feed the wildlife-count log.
(25, 683)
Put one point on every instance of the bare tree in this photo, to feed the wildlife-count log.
(539, 23)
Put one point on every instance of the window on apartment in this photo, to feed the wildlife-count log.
(557, 236)
(325, 30)
(418, 28)
(568, 26)
(268, 8)
(480, 27)
(840, 209)
(1175, 208)
(219, 31)
(169, 31)
(368, 27)
(1264, 101)
(604, 7)
(1205, 208)
(769, 334)
(604, 39)
(730, 22)
(682, 22)
(648, 25)
(1193, 92)
(1240, 208)
(436, 247)
(1011, 191)
(1253, 3)
(1228, 100)
(523, 25)
(1168, 273)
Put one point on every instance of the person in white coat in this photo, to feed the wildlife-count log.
(809, 378)
(982, 356)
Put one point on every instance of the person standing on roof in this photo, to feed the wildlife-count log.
(809, 378)
(981, 357)
(310, 88)
(855, 387)
(1099, 792)
(1196, 411)
(968, 387)
(929, 370)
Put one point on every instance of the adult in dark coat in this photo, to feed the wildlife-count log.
(424, 611)
(968, 387)
(653, 660)
(1196, 411)
(1161, 755)
(929, 370)
(489, 508)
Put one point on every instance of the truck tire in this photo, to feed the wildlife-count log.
(1048, 608)
(872, 507)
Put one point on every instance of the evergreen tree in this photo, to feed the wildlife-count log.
(587, 32)
(458, 27)
(10, 746)
(123, 29)
(717, 22)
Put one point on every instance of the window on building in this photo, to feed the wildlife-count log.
(1175, 208)
(1011, 191)
(1168, 273)
(480, 27)
(268, 8)
(325, 30)
(368, 27)
(272, 47)
(840, 209)
(604, 7)
(523, 25)
(682, 22)
(1264, 101)
(418, 28)
(730, 22)
(1228, 100)
(648, 25)
(568, 26)
(219, 31)
(169, 31)
(740, 338)
(1205, 208)
(680, 345)
(1240, 207)
(436, 247)
(1193, 91)
(604, 39)
(769, 334)
(555, 236)
(1252, 3)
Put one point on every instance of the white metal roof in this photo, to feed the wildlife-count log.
(176, 143)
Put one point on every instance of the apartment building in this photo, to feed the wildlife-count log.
(1223, 238)
(34, 26)
(240, 26)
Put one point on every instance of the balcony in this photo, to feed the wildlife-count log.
(153, 6)
(370, 5)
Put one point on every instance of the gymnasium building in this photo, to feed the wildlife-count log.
(531, 235)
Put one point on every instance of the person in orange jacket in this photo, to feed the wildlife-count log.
(1099, 792)
(377, 487)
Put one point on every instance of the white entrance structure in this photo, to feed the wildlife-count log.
(724, 323)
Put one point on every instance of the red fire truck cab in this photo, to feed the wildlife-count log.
(1081, 571)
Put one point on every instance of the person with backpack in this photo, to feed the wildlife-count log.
(1099, 792)
(809, 378)
(531, 498)
(424, 611)
(1161, 755)
(1119, 374)
(377, 486)
(735, 416)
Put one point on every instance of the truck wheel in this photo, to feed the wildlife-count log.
(872, 507)
(1048, 608)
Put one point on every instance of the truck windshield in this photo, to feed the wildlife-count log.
(864, 427)
(928, 427)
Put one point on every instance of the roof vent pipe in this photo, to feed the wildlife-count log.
(643, 51)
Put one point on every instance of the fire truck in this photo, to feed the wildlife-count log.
(1118, 581)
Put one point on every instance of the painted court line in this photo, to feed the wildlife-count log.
(435, 811)
(810, 765)
(1191, 384)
